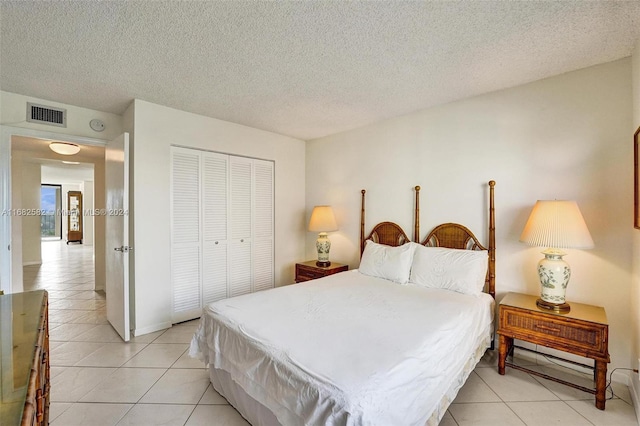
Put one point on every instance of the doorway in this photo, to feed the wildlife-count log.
(20, 147)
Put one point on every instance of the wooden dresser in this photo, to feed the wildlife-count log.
(24, 359)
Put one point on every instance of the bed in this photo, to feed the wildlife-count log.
(385, 344)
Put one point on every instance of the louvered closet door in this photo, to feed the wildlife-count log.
(214, 224)
(263, 225)
(240, 191)
(185, 233)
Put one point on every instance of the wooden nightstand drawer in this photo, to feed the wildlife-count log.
(581, 337)
(304, 273)
(307, 271)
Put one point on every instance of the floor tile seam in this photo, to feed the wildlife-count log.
(115, 403)
(177, 359)
(156, 382)
(90, 389)
(193, 411)
(138, 400)
(193, 407)
(217, 403)
(490, 402)
(103, 345)
(621, 399)
(147, 367)
(489, 386)
(565, 403)
(515, 414)
(98, 337)
(450, 415)
(83, 366)
(59, 414)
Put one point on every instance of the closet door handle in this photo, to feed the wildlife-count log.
(242, 241)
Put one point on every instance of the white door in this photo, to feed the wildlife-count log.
(263, 274)
(214, 226)
(240, 218)
(185, 234)
(116, 162)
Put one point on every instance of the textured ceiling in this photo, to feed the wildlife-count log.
(304, 69)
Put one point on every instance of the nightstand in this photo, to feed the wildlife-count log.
(306, 271)
(582, 331)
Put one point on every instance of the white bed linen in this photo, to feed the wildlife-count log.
(347, 349)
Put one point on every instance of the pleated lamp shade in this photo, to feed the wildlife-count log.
(556, 224)
(322, 220)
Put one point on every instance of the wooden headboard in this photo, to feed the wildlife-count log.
(449, 235)
(456, 236)
(390, 233)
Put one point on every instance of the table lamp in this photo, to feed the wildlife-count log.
(323, 221)
(555, 225)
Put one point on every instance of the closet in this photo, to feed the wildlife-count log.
(221, 228)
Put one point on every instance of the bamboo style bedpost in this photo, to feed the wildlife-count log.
(492, 241)
(362, 224)
(416, 220)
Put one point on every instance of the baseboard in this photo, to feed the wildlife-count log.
(634, 389)
(622, 377)
(35, 262)
(152, 328)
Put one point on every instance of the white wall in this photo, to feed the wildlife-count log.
(16, 225)
(87, 204)
(156, 128)
(31, 193)
(565, 137)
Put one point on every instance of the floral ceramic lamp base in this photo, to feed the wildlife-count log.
(323, 245)
(554, 275)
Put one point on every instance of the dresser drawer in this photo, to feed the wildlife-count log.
(581, 337)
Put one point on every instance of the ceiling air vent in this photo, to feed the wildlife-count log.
(46, 115)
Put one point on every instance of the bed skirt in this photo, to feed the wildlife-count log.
(259, 415)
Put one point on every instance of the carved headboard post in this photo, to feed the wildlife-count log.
(492, 241)
(362, 224)
(416, 229)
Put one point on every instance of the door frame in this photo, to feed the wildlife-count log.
(6, 133)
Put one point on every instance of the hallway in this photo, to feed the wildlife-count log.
(96, 379)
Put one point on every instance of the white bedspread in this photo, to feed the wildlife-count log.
(347, 349)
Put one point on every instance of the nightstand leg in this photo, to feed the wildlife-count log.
(601, 384)
(503, 350)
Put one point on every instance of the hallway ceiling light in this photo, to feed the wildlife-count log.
(71, 162)
(64, 148)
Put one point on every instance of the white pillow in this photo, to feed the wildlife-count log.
(390, 263)
(463, 271)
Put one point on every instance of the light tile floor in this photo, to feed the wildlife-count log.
(99, 380)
